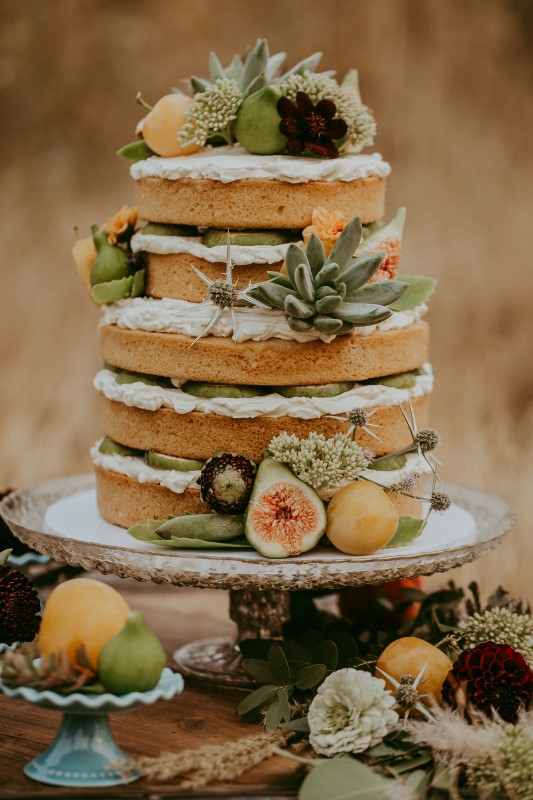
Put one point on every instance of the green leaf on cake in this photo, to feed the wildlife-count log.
(393, 462)
(111, 291)
(419, 289)
(145, 531)
(409, 528)
(135, 151)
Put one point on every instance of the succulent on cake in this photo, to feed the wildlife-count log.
(107, 266)
(20, 606)
(226, 482)
(328, 293)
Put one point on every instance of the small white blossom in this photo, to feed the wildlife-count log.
(320, 462)
(501, 626)
(351, 712)
(212, 113)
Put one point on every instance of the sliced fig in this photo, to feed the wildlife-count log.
(285, 516)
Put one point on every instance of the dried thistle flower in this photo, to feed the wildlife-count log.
(427, 439)
(212, 113)
(320, 462)
(358, 418)
(407, 696)
(439, 501)
(501, 626)
(407, 483)
(222, 294)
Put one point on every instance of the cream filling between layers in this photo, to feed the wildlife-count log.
(178, 482)
(152, 398)
(241, 255)
(256, 324)
(134, 467)
(235, 163)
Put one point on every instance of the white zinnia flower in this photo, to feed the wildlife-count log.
(351, 712)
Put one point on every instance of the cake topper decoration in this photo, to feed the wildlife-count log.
(253, 103)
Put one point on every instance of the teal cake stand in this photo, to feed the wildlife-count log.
(84, 750)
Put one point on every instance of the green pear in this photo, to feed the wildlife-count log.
(132, 660)
(111, 262)
(257, 124)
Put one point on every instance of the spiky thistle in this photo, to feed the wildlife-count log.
(329, 294)
(407, 695)
(358, 418)
(223, 294)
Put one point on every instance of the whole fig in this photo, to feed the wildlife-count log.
(133, 660)
(257, 123)
(111, 262)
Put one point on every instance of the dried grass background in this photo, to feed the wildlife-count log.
(450, 82)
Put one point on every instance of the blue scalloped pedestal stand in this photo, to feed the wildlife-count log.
(84, 748)
(80, 755)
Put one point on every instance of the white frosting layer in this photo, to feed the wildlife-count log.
(190, 319)
(226, 164)
(241, 255)
(151, 398)
(134, 467)
(178, 482)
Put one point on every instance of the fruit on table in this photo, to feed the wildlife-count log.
(84, 253)
(407, 656)
(133, 659)
(361, 518)
(81, 612)
(162, 124)
(357, 602)
(285, 516)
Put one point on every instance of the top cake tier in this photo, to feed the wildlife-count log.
(229, 187)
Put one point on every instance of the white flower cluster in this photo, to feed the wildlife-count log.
(503, 627)
(319, 86)
(320, 462)
(351, 712)
(212, 113)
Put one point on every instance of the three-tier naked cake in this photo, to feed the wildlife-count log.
(256, 311)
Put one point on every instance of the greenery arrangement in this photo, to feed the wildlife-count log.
(256, 104)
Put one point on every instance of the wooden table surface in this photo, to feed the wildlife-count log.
(199, 716)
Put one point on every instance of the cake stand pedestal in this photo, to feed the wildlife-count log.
(60, 518)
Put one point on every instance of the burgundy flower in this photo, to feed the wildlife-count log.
(491, 677)
(310, 126)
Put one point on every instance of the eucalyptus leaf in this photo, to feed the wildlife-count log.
(296, 655)
(408, 530)
(285, 708)
(411, 764)
(346, 244)
(135, 151)
(327, 653)
(300, 725)
(257, 699)
(419, 289)
(347, 648)
(274, 715)
(308, 677)
(390, 463)
(344, 778)
(258, 669)
(278, 663)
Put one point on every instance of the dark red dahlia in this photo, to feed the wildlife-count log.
(491, 677)
(309, 126)
(19, 607)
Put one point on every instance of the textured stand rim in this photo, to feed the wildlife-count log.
(24, 512)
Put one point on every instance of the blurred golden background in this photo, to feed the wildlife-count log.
(450, 83)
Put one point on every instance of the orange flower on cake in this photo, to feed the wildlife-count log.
(120, 225)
